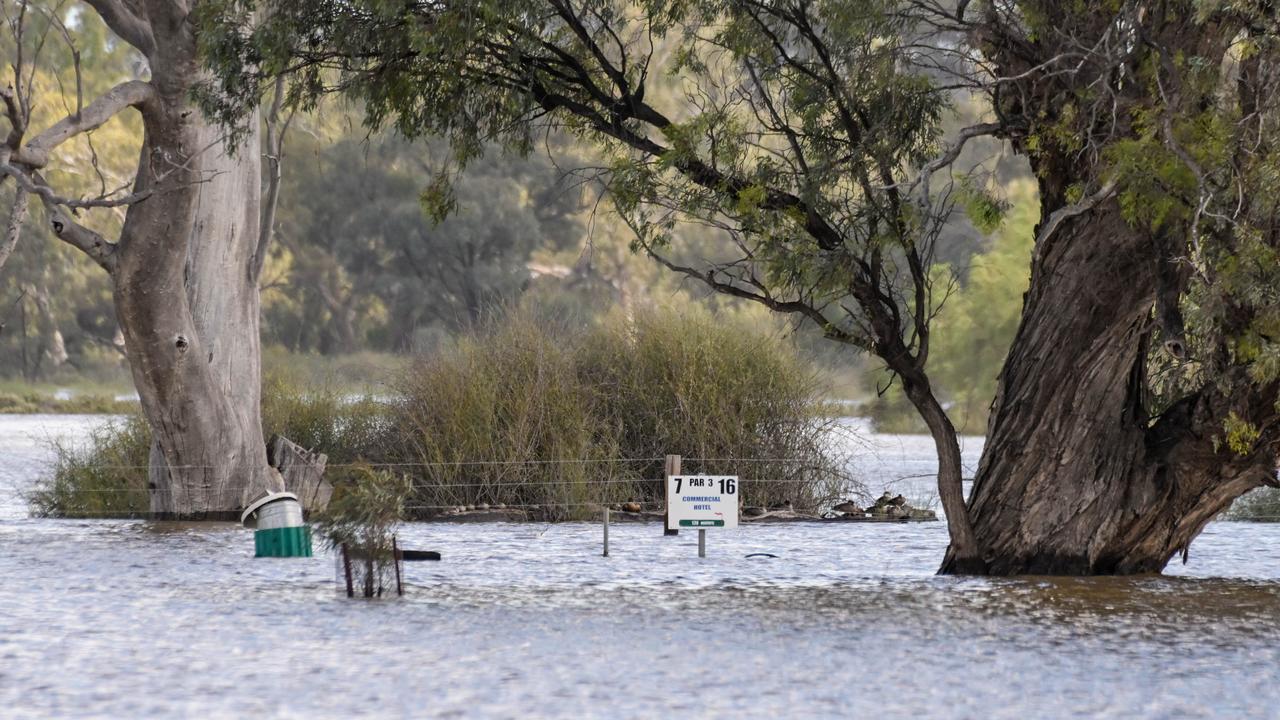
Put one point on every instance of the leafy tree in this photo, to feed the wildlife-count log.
(791, 140)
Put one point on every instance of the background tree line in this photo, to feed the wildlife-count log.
(360, 265)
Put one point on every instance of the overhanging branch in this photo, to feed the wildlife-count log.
(134, 93)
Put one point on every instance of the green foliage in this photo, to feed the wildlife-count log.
(568, 418)
(364, 512)
(359, 264)
(105, 477)
(974, 333)
(984, 209)
(792, 145)
(1242, 435)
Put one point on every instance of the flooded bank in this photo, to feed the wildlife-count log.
(136, 619)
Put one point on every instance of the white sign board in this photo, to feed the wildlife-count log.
(702, 501)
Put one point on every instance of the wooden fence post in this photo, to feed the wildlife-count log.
(672, 468)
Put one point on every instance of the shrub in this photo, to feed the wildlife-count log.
(362, 519)
(528, 413)
(107, 477)
(531, 413)
(349, 428)
(502, 418)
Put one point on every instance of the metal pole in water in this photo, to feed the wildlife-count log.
(606, 531)
(395, 559)
(702, 543)
(672, 468)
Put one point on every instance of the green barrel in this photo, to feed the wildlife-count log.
(283, 542)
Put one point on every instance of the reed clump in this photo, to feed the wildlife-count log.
(103, 477)
(562, 420)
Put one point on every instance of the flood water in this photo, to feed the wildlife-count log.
(136, 619)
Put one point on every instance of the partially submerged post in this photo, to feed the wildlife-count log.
(672, 467)
(606, 531)
(302, 471)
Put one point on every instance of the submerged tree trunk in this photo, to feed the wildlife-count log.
(184, 273)
(186, 294)
(964, 547)
(1076, 478)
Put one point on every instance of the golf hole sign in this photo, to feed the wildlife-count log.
(702, 501)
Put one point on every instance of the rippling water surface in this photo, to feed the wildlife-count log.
(135, 619)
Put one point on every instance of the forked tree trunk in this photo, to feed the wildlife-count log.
(1075, 478)
(186, 295)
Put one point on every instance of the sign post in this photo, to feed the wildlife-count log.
(701, 502)
(670, 467)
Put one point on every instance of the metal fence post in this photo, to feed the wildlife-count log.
(606, 531)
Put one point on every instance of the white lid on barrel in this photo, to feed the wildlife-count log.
(249, 517)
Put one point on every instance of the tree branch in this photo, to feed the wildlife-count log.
(126, 23)
(64, 226)
(17, 216)
(134, 93)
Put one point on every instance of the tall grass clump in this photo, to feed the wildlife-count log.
(104, 477)
(726, 397)
(107, 477)
(349, 428)
(503, 418)
(529, 413)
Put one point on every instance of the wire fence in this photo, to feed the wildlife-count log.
(443, 487)
(522, 483)
(466, 463)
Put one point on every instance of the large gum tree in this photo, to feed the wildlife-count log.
(1139, 396)
(184, 267)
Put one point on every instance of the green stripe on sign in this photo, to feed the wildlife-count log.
(701, 523)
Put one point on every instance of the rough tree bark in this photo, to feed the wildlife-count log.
(1083, 472)
(1076, 478)
(13, 229)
